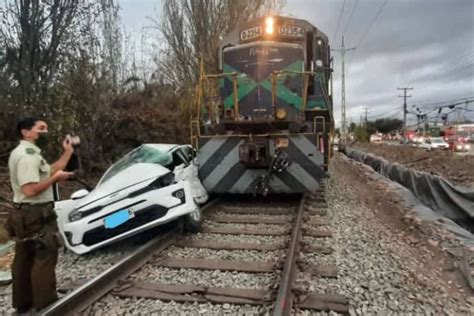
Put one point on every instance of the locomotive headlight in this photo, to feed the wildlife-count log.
(269, 25)
(281, 114)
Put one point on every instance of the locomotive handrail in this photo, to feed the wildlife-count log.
(318, 136)
(224, 74)
(234, 88)
(315, 122)
(194, 138)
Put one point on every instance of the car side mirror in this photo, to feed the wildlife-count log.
(79, 194)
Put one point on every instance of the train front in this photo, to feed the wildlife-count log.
(263, 124)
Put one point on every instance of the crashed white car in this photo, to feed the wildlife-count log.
(151, 185)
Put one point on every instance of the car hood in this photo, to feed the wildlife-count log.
(122, 182)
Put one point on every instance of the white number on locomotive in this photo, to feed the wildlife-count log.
(291, 31)
(249, 34)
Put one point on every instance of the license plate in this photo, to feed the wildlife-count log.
(117, 219)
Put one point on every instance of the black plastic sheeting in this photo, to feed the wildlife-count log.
(451, 201)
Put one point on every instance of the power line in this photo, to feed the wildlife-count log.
(372, 23)
(435, 104)
(350, 17)
(340, 18)
(392, 114)
(459, 60)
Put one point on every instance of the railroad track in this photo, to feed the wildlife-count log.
(276, 230)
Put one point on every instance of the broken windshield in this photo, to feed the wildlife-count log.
(142, 154)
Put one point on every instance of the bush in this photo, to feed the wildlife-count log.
(361, 134)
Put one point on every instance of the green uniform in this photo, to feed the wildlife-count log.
(33, 224)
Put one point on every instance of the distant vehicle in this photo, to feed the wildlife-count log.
(434, 143)
(460, 146)
(374, 138)
(417, 141)
(151, 185)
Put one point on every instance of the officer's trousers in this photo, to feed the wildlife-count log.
(36, 255)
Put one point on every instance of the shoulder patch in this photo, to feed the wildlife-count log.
(30, 151)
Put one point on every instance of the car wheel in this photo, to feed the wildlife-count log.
(193, 221)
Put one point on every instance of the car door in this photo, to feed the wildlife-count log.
(189, 172)
(426, 144)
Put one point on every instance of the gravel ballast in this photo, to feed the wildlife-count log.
(378, 270)
(111, 305)
(216, 278)
(73, 268)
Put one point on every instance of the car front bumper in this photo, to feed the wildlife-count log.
(157, 207)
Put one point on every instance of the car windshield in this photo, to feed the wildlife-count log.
(142, 154)
(437, 140)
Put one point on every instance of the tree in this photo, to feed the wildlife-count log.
(370, 127)
(112, 40)
(386, 125)
(352, 127)
(192, 28)
(36, 35)
(361, 134)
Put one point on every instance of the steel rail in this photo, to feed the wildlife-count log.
(285, 297)
(82, 297)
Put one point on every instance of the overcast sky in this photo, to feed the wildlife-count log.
(424, 44)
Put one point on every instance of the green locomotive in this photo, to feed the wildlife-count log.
(266, 129)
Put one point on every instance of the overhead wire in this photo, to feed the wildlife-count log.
(435, 104)
(340, 18)
(395, 112)
(350, 16)
(372, 23)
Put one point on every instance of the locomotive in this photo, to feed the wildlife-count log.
(263, 124)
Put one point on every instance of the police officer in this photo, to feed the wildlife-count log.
(32, 222)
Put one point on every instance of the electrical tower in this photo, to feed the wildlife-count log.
(404, 96)
(366, 112)
(343, 51)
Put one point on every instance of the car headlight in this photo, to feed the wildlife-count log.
(75, 216)
(459, 147)
(163, 181)
(467, 146)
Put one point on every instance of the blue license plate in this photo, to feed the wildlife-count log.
(117, 219)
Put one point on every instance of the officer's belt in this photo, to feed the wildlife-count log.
(20, 205)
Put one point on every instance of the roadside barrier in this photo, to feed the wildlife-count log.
(449, 200)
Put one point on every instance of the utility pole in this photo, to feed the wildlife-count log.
(366, 112)
(343, 51)
(404, 96)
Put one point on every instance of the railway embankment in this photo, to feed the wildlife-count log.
(451, 204)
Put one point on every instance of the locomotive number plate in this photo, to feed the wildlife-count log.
(291, 31)
(252, 33)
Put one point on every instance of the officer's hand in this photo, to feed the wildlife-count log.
(67, 144)
(62, 175)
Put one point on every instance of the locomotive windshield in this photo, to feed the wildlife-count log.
(256, 63)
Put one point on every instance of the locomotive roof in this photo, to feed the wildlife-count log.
(233, 37)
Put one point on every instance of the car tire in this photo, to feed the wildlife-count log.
(193, 221)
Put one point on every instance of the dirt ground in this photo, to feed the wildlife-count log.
(457, 169)
(426, 254)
